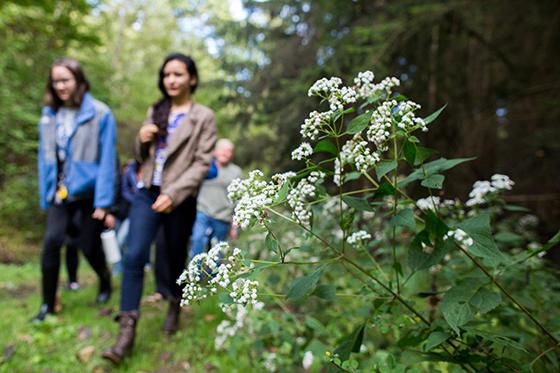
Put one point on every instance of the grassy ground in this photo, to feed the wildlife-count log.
(73, 340)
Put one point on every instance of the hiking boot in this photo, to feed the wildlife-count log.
(171, 323)
(44, 310)
(125, 340)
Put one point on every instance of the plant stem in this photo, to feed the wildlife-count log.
(509, 296)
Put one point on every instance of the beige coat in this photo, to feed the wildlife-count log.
(189, 154)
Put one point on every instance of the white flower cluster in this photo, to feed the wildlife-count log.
(307, 360)
(364, 85)
(208, 272)
(460, 236)
(380, 123)
(269, 361)
(433, 203)
(408, 120)
(253, 195)
(339, 98)
(302, 151)
(357, 152)
(242, 319)
(337, 176)
(324, 87)
(428, 203)
(314, 124)
(358, 237)
(301, 193)
(386, 85)
(244, 291)
(482, 188)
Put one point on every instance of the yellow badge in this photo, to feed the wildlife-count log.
(61, 193)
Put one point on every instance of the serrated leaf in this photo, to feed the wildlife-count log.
(326, 292)
(435, 225)
(478, 228)
(420, 258)
(485, 300)
(433, 181)
(431, 168)
(303, 286)
(325, 146)
(384, 167)
(359, 123)
(455, 306)
(404, 218)
(435, 339)
(225, 298)
(430, 118)
(358, 203)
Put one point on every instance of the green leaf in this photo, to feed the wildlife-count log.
(351, 344)
(435, 339)
(359, 123)
(515, 208)
(225, 298)
(326, 292)
(358, 203)
(431, 168)
(478, 228)
(422, 154)
(420, 257)
(455, 305)
(354, 175)
(433, 181)
(385, 189)
(404, 218)
(282, 193)
(325, 146)
(435, 225)
(383, 167)
(409, 151)
(303, 286)
(509, 237)
(271, 243)
(430, 118)
(485, 300)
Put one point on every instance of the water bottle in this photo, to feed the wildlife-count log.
(111, 246)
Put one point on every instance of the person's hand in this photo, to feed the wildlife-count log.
(163, 203)
(147, 132)
(234, 232)
(99, 214)
(110, 221)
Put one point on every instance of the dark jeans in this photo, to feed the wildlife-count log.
(144, 225)
(59, 223)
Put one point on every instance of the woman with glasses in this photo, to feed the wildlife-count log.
(77, 174)
(175, 148)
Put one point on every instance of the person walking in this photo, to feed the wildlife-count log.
(76, 163)
(214, 209)
(175, 148)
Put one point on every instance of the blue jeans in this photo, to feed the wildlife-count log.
(144, 225)
(204, 229)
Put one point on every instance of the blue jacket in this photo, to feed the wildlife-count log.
(90, 166)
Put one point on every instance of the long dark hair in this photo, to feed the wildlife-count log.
(163, 106)
(82, 85)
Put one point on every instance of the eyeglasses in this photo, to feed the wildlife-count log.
(62, 81)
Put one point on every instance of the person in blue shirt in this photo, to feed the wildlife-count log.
(77, 174)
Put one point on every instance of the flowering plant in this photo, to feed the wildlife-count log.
(428, 271)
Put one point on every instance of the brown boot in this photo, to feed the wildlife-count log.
(171, 323)
(125, 339)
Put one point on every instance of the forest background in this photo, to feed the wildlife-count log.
(493, 62)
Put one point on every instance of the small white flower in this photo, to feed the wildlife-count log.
(303, 151)
(428, 203)
(358, 237)
(307, 360)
